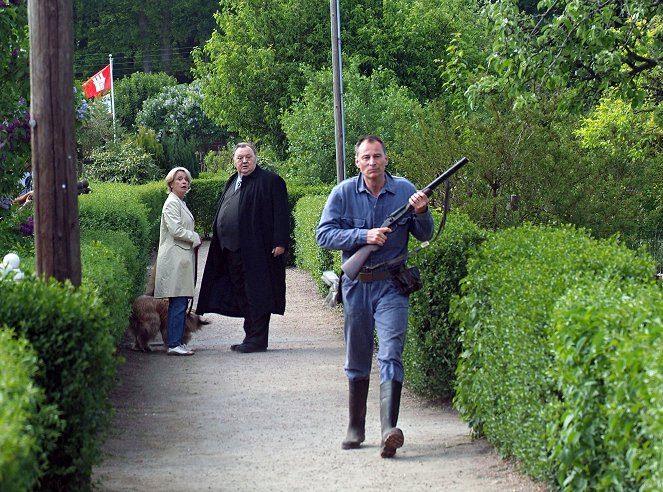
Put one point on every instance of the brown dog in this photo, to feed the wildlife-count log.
(149, 316)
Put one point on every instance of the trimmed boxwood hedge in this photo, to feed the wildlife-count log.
(433, 346)
(608, 343)
(70, 332)
(506, 386)
(308, 255)
(24, 416)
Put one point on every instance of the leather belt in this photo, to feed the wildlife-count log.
(369, 276)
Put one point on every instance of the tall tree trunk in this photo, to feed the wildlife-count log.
(165, 39)
(144, 35)
(57, 234)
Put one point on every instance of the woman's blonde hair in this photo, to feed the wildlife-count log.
(170, 177)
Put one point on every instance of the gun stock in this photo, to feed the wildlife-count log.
(353, 264)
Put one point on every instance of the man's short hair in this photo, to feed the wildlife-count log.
(370, 138)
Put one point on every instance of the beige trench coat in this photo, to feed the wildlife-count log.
(175, 260)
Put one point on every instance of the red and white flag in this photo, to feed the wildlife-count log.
(98, 83)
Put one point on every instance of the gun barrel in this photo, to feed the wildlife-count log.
(444, 176)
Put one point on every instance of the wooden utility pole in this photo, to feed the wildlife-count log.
(57, 234)
(338, 89)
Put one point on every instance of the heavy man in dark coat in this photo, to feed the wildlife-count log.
(245, 270)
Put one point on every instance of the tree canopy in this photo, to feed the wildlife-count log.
(576, 47)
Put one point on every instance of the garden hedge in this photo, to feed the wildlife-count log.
(506, 382)
(433, 341)
(24, 416)
(69, 330)
(308, 255)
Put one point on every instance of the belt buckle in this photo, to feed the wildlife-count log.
(365, 276)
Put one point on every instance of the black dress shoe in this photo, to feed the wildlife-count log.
(234, 347)
(247, 349)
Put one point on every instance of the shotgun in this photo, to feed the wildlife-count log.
(353, 264)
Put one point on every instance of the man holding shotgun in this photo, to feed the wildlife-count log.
(352, 218)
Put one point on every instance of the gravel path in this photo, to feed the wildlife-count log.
(274, 421)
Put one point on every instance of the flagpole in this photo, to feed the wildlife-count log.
(110, 57)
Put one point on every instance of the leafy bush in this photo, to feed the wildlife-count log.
(177, 112)
(504, 385)
(115, 208)
(180, 152)
(69, 330)
(151, 195)
(608, 344)
(24, 416)
(111, 264)
(433, 345)
(132, 91)
(308, 255)
(17, 231)
(146, 139)
(202, 200)
(121, 163)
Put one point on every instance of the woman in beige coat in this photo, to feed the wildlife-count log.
(175, 260)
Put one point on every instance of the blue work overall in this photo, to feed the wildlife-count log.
(350, 212)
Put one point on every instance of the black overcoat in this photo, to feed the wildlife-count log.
(264, 224)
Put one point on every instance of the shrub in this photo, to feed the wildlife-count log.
(69, 330)
(24, 416)
(115, 207)
(433, 345)
(308, 255)
(202, 200)
(504, 387)
(146, 139)
(106, 257)
(132, 91)
(17, 231)
(608, 344)
(121, 163)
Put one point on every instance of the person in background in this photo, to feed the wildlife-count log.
(352, 218)
(175, 265)
(245, 269)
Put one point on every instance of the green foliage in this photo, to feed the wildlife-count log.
(256, 63)
(581, 48)
(203, 200)
(132, 91)
(613, 128)
(16, 233)
(155, 36)
(180, 153)
(113, 263)
(219, 162)
(308, 255)
(177, 113)
(95, 130)
(433, 345)
(608, 343)
(375, 105)
(152, 196)
(504, 385)
(528, 153)
(69, 330)
(115, 207)
(146, 139)
(14, 56)
(24, 416)
(121, 163)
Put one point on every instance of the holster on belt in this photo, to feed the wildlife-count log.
(407, 280)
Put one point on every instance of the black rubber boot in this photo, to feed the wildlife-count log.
(390, 402)
(357, 405)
